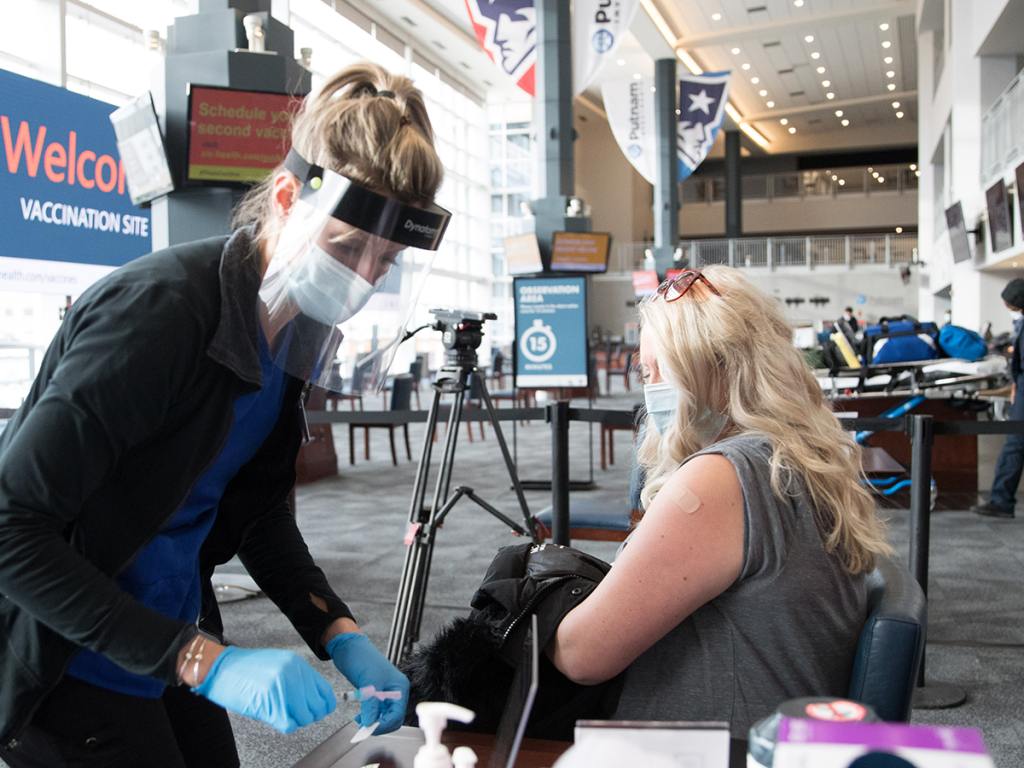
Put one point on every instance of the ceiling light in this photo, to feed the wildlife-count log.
(884, 26)
(874, 174)
(881, 179)
(842, 182)
(913, 166)
(917, 173)
(834, 177)
(899, 115)
(762, 93)
(891, 86)
(784, 121)
(830, 95)
(887, 59)
(770, 104)
(815, 55)
(890, 74)
(653, 89)
(637, 75)
(679, 112)
(716, 17)
(809, 38)
(899, 230)
(745, 67)
(798, 3)
(895, 105)
(871, 170)
(792, 129)
(844, 122)
(886, 44)
(826, 83)
(839, 113)
(755, 80)
(821, 70)
(621, 62)
(735, 51)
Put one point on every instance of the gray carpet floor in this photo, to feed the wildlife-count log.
(355, 522)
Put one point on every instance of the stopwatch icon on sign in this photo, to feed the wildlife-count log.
(538, 342)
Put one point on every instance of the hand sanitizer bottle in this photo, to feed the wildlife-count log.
(433, 716)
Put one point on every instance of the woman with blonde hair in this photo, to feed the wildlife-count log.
(159, 441)
(743, 584)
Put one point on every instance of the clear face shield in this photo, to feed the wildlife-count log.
(344, 247)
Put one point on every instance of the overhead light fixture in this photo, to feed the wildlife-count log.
(821, 70)
(755, 80)
(826, 83)
(839, 113)
(809, 38)
(834, 177)
(770, 104)
(745, 67)
(895, 105)
(815, 55)
(735, 51)
(899, 115)
(784, 120)
(874, 174)
(884, 26)
(844, 122)
(886, 44)
(798, 3)
(913, 166)
(887, 59)
(679, 112)
(842, 182)
(792, 129)
(899, 230)
(621, 62)
(872, 171)
(762, 93)
(637, 75)
(653, 89)
(881, 179)
(890, 74)
(917, 173)
(716, 17)
(830, 95)
(891, 86)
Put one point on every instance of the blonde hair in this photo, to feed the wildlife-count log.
(384, 142)
(733, 354)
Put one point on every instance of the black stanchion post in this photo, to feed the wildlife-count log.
(558, 416)
(934, 695)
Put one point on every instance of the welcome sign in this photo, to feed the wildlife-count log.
(63, 198)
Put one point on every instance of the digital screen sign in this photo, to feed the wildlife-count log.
(551, 332)
(142, 150)
(1000, 223)
(237, 137)
(958, 233)
(580, 251)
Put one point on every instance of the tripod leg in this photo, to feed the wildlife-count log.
(512, 473)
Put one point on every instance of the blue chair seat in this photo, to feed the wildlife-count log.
(600, 519)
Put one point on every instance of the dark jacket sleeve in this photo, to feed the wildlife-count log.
(272, 548)
(108, 392)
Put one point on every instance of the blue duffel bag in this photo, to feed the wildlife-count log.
(964, 343)
(900, 340)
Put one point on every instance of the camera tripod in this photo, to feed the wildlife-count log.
(454, 378)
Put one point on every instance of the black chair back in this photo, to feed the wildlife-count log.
(891, 644)
(476, 388)
(358, 375)
(498, 364)
(416, 369)
(401, 393)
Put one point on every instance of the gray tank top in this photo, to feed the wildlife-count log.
(786, 628)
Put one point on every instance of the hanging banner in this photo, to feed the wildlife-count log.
(630, 107)
(702, 101)
(507, 31)
(597, 28)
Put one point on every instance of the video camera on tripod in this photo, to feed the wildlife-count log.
(461, 333)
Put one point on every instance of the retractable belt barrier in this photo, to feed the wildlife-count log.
(920, 429)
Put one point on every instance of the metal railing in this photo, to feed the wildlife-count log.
(850, 251)
(1002, 130)
(831, 182)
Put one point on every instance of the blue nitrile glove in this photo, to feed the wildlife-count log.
(359, 661)
(274, 686)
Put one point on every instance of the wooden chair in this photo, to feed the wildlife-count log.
(608, 438)
(401, 400)
(620, 363)
(354, 395)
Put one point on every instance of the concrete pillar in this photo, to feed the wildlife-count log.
(553, 116)
(666, 185)
(733, 186)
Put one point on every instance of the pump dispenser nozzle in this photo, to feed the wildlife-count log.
(433, 716)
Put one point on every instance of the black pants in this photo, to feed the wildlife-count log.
(82, 726)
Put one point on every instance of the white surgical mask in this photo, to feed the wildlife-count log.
(662, 400)
(326, 290)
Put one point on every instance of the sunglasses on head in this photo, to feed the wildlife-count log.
(675, 288)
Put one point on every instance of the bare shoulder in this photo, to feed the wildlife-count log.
(709, 479)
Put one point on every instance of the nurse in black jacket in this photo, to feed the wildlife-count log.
(159, 440)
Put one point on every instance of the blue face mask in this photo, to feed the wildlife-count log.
(662, 401)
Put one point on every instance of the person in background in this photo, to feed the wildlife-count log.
(756, 532)
(1003, 496)
(851, 318)
(159, 441)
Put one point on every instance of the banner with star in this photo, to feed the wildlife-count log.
(702, 101)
